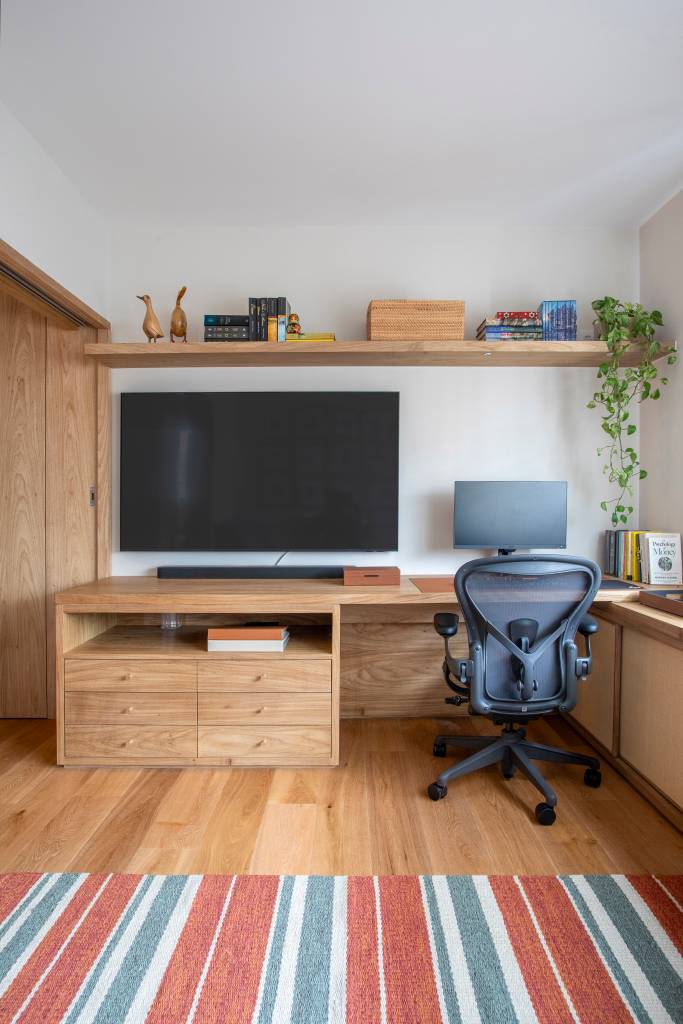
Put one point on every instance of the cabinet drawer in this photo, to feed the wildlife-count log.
(266, 676)
(148, 676)
(265, 709)
(267, 745)
(130, 742)
(134, 708)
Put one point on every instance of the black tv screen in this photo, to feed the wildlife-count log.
(267, 471)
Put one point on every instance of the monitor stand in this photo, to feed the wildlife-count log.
(506, 551)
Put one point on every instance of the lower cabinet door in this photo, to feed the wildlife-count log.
(265, 745)
(652, 711)
(130, 742)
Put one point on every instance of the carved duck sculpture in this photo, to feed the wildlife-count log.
(150, 324)
(179, 319)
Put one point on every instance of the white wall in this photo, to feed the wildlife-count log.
(46, 219)
(455, 423)
(661, 287)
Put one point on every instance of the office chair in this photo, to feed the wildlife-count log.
(522, 614)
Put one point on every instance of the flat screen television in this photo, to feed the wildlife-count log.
(510, 514)
(266, 471)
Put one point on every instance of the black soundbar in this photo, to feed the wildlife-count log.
(250, 572)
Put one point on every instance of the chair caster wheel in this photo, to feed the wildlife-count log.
(437, 791)
(545, 814)
(439, 749)
(508, 773)
(592, 777)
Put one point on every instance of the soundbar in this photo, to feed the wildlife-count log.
(250, 572)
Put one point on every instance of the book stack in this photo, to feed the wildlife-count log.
(511, 325)
(558, 317)
(643, 556)
(248, 639)
(268, 319)
(226, 327)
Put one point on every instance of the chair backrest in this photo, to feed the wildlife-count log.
(512, 675)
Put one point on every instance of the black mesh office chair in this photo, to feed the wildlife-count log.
(522, 614)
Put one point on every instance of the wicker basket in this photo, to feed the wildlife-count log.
(421, 320)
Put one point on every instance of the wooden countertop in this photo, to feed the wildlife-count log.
(149, 594)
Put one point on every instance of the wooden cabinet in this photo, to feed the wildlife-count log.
(652, 711)
(135, 694)
(595, 708)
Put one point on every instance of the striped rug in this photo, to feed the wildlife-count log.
(403, 950)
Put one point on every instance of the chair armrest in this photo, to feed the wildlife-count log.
(588, 626)
(446, 624)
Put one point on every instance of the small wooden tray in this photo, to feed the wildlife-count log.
(665, 600)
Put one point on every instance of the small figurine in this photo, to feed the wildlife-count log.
(293, 325)
(178, 319)
(150, 324)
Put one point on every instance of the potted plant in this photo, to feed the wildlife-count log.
(620, 324)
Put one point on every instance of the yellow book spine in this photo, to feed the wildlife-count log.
(272, 328)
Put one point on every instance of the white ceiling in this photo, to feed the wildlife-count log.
(343, 111)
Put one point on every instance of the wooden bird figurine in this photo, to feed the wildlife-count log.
(150, 324)
(179, 319)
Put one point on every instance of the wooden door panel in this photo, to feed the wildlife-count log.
(23, 691)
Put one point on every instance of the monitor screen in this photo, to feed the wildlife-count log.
(267, 471)
(510, 514)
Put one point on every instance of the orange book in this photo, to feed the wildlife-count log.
(247, 633)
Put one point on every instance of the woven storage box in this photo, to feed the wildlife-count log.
(395, 319)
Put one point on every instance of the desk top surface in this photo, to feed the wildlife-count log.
(116, 592)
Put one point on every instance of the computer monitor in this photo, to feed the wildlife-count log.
(510, 514)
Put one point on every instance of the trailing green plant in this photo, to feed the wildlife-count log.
(621, 324)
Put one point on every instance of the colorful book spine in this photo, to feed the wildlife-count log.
(253, 319)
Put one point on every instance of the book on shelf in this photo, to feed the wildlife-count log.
(226, 319)
(524, 315)
(643, 556)
(267, 318)
(226, 334)
(248, 639)
(312, 337)
(559, 319)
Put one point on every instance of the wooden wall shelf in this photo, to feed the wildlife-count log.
(355, 353)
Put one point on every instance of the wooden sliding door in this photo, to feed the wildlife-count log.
(23, 645)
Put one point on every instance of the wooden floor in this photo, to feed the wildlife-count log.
(371, 815)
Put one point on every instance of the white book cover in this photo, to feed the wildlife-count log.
(249, 646)
(664, 557)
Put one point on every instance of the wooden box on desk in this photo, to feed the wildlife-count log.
(372, 576)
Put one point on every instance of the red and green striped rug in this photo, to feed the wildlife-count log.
(398, 949)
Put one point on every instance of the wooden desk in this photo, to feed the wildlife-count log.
(129, 692)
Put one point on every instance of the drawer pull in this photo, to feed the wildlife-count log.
(128, 710)
(125, 677)
(259, 711)
(261, 743)
(264, 675)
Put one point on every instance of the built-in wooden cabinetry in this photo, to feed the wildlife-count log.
(631, 706)
(48, 473)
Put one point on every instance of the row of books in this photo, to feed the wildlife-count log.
(643, 556)
(248, 639)
(511, 325)
(554, 320)
(265, 321)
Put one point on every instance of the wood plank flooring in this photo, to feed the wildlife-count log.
(369, 816)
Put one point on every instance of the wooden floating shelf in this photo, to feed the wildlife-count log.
(357, 353)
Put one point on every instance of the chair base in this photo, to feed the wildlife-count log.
(512, 750)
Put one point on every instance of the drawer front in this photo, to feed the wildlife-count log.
(265, 709)
(146, 676)
(130, 742)
(134, 708)
(266, 745)
(266, 676)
